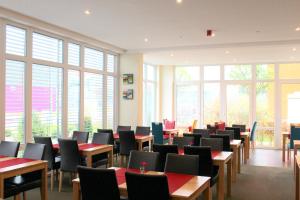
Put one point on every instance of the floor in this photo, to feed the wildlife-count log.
(264, 177)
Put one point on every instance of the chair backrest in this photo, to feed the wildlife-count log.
(220, 125)
(123, 128)
(101, 138)
(80, 136)
(216, 144)
(98, 184)
(49, 151)
(147, 187)
(34, 151)
(163, 150)
(110, 131)
(227, 132)
(226, 140)
(142, 130)
(169, 124)
(202, 132)
(205, 159)
(252, 134)
(236, 131)
(295, 135)
(150, 159)
(182, 164)
(9, 149)
(196, 137)
(241, 126)
(157, 132)
(183, 141)
(127, 142)
(70, 157)
(211, 129)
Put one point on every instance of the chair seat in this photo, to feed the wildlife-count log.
(10, 190)
(22, 183)
(100, 159)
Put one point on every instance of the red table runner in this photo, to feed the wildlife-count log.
(213, 153)
(2, 156)
(175, 181)
(14, 161)
(137, 136)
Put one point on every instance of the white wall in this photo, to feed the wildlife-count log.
(131, 111)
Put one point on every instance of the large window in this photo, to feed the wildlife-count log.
(14, 100)
(93, 102)
(150, 94)
(211, 103)
(46, 101)
(73, 100)
(55, 85)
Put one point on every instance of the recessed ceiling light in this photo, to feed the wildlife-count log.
(297, 29)
(87, 12)
(294, 49)
(179, 1)
(171, 55)
(146, 40)
(227, 52)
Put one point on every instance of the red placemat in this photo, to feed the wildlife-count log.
(116, 136)
(88, 146)
(176, 181)
(55, 146)
(120, 174)
(139, 136)
(2, 156)
(14, 161)
(181, 151)
(215, 153)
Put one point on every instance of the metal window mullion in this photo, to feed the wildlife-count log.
(65, 91)
(2, 79)
(104, 92)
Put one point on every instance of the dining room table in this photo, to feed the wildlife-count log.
(88, 150)
(171, 133)
(11, 166)
(140, 139)
(181, 186)
(235, 146)
(246, 137)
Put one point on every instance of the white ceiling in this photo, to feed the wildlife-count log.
(253, 27)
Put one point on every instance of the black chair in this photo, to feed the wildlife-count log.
(196, 137)
(202, 132)
(137, 157)
(80, 136)
(163, 150)
(70, 158)
(237, 132)
(50, 156)
(241, 126)
(29, 180)
(182, 141)
(100, 159)
(9, 149)
(226, 140)
(123, 128)
(216, 144)
(226, 132)
(206, 167)
(182, 164)
(147, 187)
(142, 130)
(98, 184)
(111, 140)
(127, 144)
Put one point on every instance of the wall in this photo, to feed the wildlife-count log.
(131, 111)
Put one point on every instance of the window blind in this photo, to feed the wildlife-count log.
(73, 54)
(93, 59)
(110, 63)
(110, 102)
(15, 40)
(73, 100)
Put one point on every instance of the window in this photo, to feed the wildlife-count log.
(110, 63)
(110, 102)
(46, 101)
(187, 74)
(238, 72)
(211, 73)
(73, 100)
(93, 102)
(289, 71)
(14, 101)
(149, 90)
(15, 41)
(211, 103)
(73, 54)
(93, 59)
(47, 48)
(265, 72)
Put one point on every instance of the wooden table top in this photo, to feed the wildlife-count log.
(285, 133)
(21, 166)
(223, 156)
(246, 133)
(235, 142)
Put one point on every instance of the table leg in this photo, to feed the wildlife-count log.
(207, 193)
(76, 191)
(140, 145)
(234, 167)
(44, 186)
(150, 146)
(229, 174)
(111, 158)
(239, 159)
(283, 148)
(170, 139)
(89, 161)
(220, 186)
(295, 153)
(1, 188)
(246, 150)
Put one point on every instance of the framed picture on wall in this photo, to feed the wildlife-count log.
(127, 79)
(128, 94)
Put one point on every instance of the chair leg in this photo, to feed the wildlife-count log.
(60, 181)
(56, 174)
(17, 197)
(289, 152)
(51, 180)
(24, 196)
